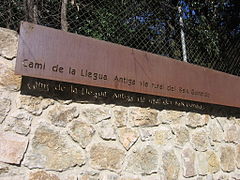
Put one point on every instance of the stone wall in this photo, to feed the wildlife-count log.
(47, 139)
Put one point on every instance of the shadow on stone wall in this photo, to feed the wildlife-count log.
(89, 94)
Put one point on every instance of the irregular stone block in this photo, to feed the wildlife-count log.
(129, 178)
(88, 177)
(8, 43)
(12, 170)
(143, 160)
(222, 177)
(236, 176)
(216, 131)
(227, 158)
(188, 156)
(14, 177)
(69, 177)
(12, 147)
(61, 115)
(19, 122)
(106, 130)
(182, 135)
(145, 134)
(232, 134)
(223, 121)
(4, 169)
(162, 135)
(104, 156)
(95, 113)
(200, 178)
(81, 132)
(143, 117)
(238, 156)
(34, 105)
(8, 79)
(42, 175)
(4, 108)
(199, 140)
(208, 162)
(127, 137)
(171, 165)
(237, 121)
(120, 116)
(151, 177)
(53, 151)
(213, 162)
(106, 175)
(195, 120)
(171, 117)
(202, 163)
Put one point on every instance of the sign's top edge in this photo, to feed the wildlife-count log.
(23, 23)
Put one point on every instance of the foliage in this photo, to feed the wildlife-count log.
(214, 27)
(211, 27)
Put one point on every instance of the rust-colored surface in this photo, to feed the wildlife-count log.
(56, 55)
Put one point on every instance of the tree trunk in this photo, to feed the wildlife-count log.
(64, 23)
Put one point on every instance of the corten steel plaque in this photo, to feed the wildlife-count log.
(56, 55)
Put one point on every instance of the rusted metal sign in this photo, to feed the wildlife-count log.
(56, 55)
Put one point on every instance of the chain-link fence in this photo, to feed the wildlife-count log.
(154, 26)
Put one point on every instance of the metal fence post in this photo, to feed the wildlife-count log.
(184, 51)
